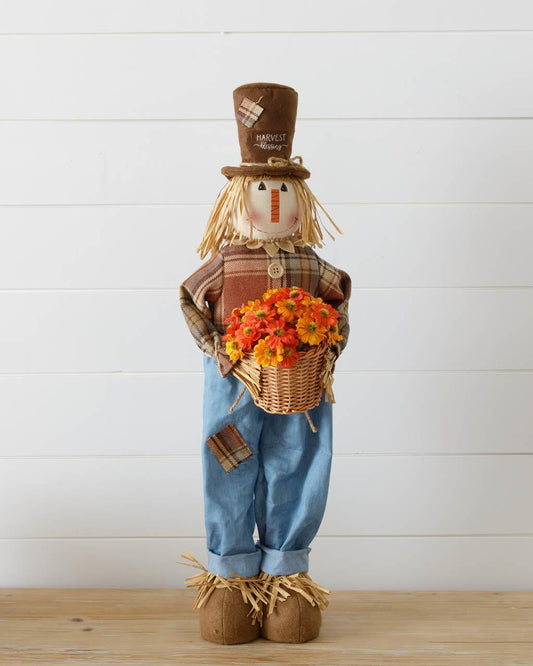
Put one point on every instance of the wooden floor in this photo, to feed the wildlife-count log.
(109, 626)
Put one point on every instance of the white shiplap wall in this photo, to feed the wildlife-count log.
(416, 121)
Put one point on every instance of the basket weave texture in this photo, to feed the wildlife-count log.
(280, 390)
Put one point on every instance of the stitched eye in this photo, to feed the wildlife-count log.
(283, 187)
(262, 186)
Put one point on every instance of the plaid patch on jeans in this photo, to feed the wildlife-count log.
(249, 112)
(228, 447)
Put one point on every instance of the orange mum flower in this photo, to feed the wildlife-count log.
(279, 335)
(233, 319)
(246, 335)
(324, 314)
(255, 311)
(290, 356)
(251, 319)
(297, 293)
(234, 315)
(273, 295)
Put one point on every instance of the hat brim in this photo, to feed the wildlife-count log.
(266, 170)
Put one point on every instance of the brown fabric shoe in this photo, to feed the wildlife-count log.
(230, 608)
(293, 620)
(225, 618)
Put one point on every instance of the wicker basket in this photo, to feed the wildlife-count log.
(292, 390)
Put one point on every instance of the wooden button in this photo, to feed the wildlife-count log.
(275, 270)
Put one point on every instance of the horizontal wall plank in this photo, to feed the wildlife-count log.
(125, 247)
(391, 329)
(351, 161)
(298, 15)
(369, 563)
(368, 495)
(134, 76)
(90, 415)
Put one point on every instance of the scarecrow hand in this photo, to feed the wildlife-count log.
(224, 363)
(335, 351)
(333, 354)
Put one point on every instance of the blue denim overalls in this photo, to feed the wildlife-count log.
(282, 487)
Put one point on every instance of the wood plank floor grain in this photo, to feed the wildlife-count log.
(158, 626)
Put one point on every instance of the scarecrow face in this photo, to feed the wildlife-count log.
(273, 209)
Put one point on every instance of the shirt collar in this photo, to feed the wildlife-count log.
(271, 245)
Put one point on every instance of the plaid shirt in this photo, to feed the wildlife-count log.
(236, 274)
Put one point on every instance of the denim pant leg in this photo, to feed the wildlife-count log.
(292, 487)
(229, 496)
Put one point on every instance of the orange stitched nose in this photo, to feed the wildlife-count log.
(274, 206)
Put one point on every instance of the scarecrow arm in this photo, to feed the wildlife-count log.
(205, 284)
(335, 287)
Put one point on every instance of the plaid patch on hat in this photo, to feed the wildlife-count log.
(249, 112)
(228, 447)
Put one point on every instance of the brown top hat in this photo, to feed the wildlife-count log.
(266, 116)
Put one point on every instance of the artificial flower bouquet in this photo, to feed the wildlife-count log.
(282, 325)
(281, 342)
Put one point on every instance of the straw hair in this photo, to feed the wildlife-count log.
(231, 203)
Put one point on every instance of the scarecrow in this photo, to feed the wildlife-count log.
(261, 467)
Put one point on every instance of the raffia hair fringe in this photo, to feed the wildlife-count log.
(231, 202)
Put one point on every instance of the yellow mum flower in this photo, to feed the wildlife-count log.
(287, 308)
(233, 351)
(309, 331)
(270, 292)
(334, 335)
(265, 355)
(250, 306)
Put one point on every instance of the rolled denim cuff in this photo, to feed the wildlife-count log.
(241, 564)
(284, 562)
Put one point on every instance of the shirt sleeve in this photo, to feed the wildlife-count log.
(195, 292)
(335, 287)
